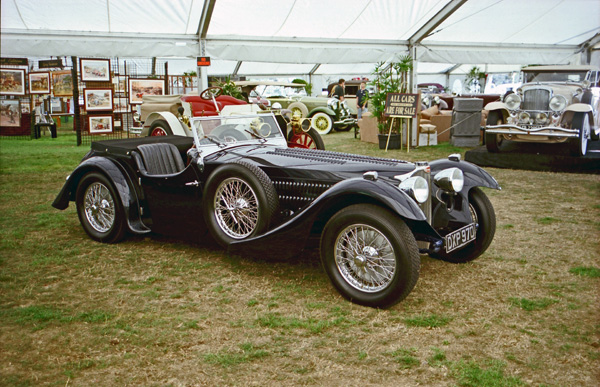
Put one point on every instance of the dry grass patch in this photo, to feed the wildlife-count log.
(165, 311)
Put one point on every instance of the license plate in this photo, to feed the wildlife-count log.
(461, 237)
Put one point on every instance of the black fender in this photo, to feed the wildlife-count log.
(291, 236)
(474, 176)
(122, 182)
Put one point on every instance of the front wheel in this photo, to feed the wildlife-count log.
(99, 209)
(493, 141)
(322, 123)
(370, 255)
(482, 213)
(309, 140)
(579, 145)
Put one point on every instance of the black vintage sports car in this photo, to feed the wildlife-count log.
(238, 178)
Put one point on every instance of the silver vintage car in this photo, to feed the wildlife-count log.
(555, 104)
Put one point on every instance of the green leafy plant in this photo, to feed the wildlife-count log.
(229, 88)
(389, 78)
(307, 86)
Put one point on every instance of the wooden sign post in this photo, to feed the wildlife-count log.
(400, 105)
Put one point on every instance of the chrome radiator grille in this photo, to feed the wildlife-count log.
(536, 99)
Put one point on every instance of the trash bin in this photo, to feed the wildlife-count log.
(466, 122)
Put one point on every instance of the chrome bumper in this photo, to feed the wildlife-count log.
(346, 121)
(547, 131)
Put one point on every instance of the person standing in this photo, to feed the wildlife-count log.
(361, 100)
(338, 90)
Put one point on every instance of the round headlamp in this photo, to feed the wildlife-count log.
(541, 118)
(558, 103)
(524, 117)
(512, 101)
(276, 105)
(450, 180)
(416, 187)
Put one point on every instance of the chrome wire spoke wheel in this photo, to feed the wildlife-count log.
(236, 208)
(365, 258)
(99, 207)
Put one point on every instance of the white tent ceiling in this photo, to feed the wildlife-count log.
(305, 36)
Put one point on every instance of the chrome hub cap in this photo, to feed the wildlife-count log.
(236, 208)
(365, 258)
(99, 207)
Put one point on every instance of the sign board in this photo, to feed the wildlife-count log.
(402, 105)
(14, 61)
(49, 64)
(203, 61)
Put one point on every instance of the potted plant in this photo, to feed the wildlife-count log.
(475, 75)
(392, 78)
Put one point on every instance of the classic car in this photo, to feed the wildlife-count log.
(555, 104)
(238, 180)
(169, 115)
(325, 113)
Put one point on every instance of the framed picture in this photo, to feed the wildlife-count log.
(10, 113)
(97, 99)
(100, 124)
(56, 105)
(94, 70)
(62, 81)
(25, 106)
(140, 87)
(120, 105)
(120, 84)
(12, 82)
(39, 83)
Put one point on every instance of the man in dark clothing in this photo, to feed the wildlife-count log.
(361, 100)
(338, 90)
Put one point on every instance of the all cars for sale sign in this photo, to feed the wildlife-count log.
(402, 105)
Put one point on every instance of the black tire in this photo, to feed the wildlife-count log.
(493, 141)
(370, 231)
(100, 209)
(482, 212)
(160, 128)
(250, 193)
(578, 146)
(309, 140)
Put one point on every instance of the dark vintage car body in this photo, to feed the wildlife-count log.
(157, 183)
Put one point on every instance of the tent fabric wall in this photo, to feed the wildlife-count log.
(310, 32)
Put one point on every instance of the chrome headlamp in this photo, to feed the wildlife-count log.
(450, 180)
(524, 117)
(558, 103)
(416, 187)
(512, 101)
(541, 118)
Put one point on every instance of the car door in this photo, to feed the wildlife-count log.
(174, 201)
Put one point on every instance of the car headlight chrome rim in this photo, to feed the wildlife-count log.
(558, 103)
(512, 101)
(450, 180)
(417, 188)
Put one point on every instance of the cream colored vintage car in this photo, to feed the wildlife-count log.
(555, 104)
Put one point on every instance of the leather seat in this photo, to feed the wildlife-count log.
(159, 159)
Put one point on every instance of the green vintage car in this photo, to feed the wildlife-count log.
(325, 113)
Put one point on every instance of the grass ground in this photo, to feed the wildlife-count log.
(160, 311)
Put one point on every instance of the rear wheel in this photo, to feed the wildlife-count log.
(310, 140)
(493, 141)
(370, 255)
(99, 209)
(579, 145)
(160, 128)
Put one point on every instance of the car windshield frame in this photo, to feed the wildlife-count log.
(224, 131)
(546, 76)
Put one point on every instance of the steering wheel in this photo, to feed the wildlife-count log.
(211, 92)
